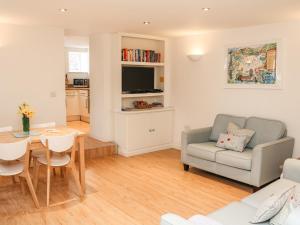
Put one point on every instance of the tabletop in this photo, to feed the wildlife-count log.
(9, 137)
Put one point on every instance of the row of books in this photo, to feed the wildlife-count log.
(140, 55)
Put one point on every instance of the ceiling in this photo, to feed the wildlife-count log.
(167, 17)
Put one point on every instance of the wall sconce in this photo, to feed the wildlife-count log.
(194, 57)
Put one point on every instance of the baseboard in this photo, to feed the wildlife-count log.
(85, 119)
(73, 118)
(144, 150)
(177, 146)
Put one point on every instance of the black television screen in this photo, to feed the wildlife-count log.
(137, 79)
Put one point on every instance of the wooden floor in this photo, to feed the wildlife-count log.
(122, 191)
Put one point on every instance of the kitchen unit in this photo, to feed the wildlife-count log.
(78, 104)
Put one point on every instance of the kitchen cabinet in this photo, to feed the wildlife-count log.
(84, 104)
(72, 103)
(78, 105)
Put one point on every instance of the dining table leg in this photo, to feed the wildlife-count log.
(81, 163)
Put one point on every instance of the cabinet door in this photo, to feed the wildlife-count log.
(149, 129)
(160, 127)
(84, 104)
(138, 131)
(72, 102)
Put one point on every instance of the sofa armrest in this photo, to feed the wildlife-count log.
(267, 159)
(195, 136)
(173, 219)
(291, 170)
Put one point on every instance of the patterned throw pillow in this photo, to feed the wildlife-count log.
(290, 206)
(234, 129)
(272, 206)
(232, 142)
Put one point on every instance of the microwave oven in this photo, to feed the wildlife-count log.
(81, 83)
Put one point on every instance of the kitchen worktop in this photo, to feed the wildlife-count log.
(77, 88)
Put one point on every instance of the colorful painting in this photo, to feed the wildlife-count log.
(254, 64)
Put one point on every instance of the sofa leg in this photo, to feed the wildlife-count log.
(186, 167)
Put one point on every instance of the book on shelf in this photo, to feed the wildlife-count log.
(140, 55)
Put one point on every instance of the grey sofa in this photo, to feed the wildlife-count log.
(240, 213)
(259, 164)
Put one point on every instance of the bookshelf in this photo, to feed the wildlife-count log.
(133, 42)
(148, 64)
(141, 131)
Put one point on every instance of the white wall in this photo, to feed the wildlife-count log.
(31, 68)
(101, 117)
(198, 87)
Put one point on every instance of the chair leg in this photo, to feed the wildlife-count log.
(62, 171)
(48, 184)
(76, 178)
(13, 179)
(36, 173)
(31, 189)
(54, 172)
(22, 185)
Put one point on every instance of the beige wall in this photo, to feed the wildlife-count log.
(31, 70)
(198, 87)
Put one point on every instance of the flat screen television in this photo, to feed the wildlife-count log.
(137, 79)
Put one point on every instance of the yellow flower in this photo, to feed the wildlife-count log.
(25, 110)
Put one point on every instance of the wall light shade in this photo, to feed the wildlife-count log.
(194, 57)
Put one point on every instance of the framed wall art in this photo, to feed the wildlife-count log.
(254, 66)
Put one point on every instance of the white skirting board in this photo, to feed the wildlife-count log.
(148, 150)
(144, 150)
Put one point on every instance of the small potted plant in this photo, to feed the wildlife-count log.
(27, 113)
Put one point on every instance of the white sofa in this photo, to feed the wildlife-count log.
(240, 213)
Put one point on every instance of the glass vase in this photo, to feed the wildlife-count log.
(26, 124)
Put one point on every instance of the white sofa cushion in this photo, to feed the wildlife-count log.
(241, 160)
(290, 206)
(231, 142)
(221, 123)
(260, 196)
(236, 213)
(237, 131)
(206, 150)
(203, 220)
(271, 206)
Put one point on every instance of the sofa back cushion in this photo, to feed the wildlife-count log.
(221, 124)
(266, 130)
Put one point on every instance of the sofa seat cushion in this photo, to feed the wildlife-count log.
(236, 213)
(221, 123)
(241, 160)
(206, 150)
(256, 199)
(266, 130)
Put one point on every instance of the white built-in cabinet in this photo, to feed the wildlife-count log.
(138, 132)
(142, 132)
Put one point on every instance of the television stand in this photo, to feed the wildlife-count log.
(143, 91)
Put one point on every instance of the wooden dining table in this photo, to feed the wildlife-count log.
(36, 144)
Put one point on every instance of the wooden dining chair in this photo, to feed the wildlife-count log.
(8, 129)
(57, 155)
(11, 166)
(38, 152)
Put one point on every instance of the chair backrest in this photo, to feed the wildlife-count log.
(59, 143)
(44, 125)
(13, 151)
(6, 129)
